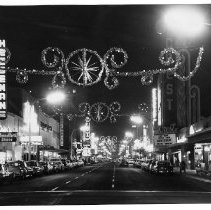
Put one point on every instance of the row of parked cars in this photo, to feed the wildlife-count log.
(23, 169)
(155, 166)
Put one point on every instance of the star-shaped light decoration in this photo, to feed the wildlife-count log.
(84, 67)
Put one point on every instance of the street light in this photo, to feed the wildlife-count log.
(136, 119)
(56, 96)
(184, 21)
(128, 134)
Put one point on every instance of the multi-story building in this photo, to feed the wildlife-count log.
(28, 130)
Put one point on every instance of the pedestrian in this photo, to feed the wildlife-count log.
(183, 167)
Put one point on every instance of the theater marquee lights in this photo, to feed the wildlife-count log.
(3, 102)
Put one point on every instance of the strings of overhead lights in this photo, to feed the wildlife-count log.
(85, 67)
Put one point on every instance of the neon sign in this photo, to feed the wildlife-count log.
(3, 101)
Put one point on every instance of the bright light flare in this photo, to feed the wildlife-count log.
(184, 21)
(56, 96)
(84, 128)
(136, 119)
(129, 134)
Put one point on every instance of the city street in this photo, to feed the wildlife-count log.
(103, 184)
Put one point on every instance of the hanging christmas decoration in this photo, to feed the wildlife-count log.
(84, 67)
(111, 82)
(147, 78)
(99, 112)
(56, 54)
(59, 80)
(22, 77)
(143, 107)
(84, 109)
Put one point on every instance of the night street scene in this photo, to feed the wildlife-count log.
(105, 104)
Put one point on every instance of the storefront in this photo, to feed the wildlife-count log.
(202, 148)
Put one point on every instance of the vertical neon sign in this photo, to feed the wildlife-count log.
(3, 102)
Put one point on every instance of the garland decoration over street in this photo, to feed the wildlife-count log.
(98, 112)
(85, 67)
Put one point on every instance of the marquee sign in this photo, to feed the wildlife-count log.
(3, 102)
(164, 139)
(8, 136)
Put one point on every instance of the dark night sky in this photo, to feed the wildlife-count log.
(30, 29)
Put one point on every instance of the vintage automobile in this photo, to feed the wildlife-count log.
(19, 169)
(48, 168)
(36, 167)
(162, 167)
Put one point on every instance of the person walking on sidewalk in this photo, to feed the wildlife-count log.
(182, 167)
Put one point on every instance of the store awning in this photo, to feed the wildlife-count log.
(203, 136)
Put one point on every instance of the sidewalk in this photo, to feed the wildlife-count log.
(193, 174)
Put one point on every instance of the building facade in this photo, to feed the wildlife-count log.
(27, 130)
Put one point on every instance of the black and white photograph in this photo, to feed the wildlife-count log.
(105, 104)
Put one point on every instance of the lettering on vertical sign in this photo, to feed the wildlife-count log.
(170, 101)
(3, 98)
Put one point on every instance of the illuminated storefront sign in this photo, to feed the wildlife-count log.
(8, 136)
(164, 139)
(86, 133)
(3, 101)
(36, 140)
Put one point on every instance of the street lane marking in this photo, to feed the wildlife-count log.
(67, 182)
(113, 180)
(54, 188)
(109, 191)
(76, 177)
(200, 179)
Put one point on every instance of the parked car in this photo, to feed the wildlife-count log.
(48, 168)
(162, 167)
(36, 167)
(80, 163)
(58, 166)
(19, 169)
(130, 161)
(75, 163)
(146, 166)
(5, 175)
(123, 163)
(137, 163)
(69, 164)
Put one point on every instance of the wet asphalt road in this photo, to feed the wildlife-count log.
(105, 183)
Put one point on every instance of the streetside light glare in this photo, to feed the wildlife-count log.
(184, 21)
(84, 128)
(56, 97)
(136, 119)
(128, 134)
